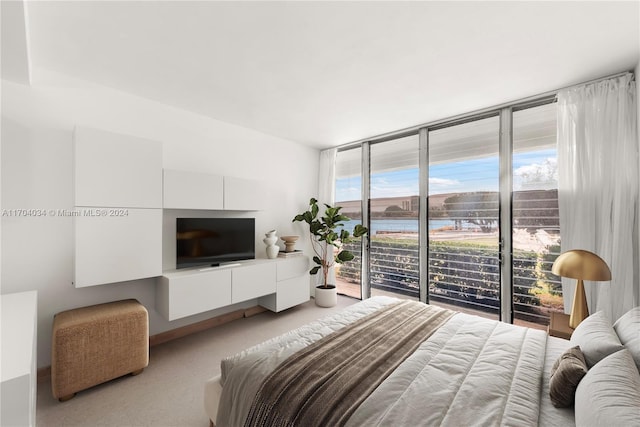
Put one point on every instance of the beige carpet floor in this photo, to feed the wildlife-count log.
(170, 390)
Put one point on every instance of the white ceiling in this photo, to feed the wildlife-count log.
(327, 73)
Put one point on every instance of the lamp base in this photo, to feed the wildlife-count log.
(579, 310)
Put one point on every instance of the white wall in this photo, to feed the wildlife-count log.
(37, 125)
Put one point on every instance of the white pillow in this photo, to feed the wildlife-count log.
(596, 338)
(609, 395)
(628, 329)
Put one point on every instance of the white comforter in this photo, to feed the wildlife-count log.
(472, 371)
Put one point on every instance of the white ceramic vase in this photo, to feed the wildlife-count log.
(326, 297)
(270, 240)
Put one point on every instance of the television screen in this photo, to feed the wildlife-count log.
(212, 241)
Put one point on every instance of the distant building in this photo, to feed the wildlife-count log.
(384, 207)
(401, 206)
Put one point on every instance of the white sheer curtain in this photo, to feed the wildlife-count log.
(327, 175)
(326, 187)
(598, 186)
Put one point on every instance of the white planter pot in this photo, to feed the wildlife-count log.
(326, 297)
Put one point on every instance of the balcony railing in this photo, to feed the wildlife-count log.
(464, 275)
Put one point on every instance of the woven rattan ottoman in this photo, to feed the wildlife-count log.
(91, 345)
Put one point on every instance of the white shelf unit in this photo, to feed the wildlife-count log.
(18, 374)
(118, 199)
(182, 293)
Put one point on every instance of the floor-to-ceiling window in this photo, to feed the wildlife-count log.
(536, 223)
(464, 269)
(393, 210)
(489, 227)
(348, 194)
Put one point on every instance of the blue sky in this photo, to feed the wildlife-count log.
(534, 167)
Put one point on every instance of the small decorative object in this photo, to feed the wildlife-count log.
(289, 243)
(270, 240)
(328, 238)
(292, 254)
(582, 265)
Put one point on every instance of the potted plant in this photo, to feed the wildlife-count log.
(328, 238)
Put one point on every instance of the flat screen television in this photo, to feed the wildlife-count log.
(213, 241)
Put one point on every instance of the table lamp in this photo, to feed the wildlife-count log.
(581, 265)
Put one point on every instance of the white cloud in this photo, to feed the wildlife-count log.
(443, 182)
(348, 193)
(537, 175)
(375, 181)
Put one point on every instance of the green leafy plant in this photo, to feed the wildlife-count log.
(328, 237)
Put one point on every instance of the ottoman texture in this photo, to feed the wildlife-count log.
(91, 345)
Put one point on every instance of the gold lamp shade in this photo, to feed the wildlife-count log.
(582, 265)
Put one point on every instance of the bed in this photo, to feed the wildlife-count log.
(465, 370)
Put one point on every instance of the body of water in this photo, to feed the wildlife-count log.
(403, 225)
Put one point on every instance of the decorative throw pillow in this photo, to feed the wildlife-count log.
(596, 338)
(628, 329)
(566, 373)
(609, 395)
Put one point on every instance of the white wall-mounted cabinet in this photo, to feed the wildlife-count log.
(116, 248)
(118, 206)
(116, 170)
(18, 374)
(279, 284)
(196, 190)
(192, 190)
(185, 293)
(243, 194)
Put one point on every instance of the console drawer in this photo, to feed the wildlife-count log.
(253, 281)
(294, 267)
(185, 295)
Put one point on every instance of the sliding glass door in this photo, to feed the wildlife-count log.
(463, 258)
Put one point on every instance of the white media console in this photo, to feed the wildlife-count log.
(277, 284)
